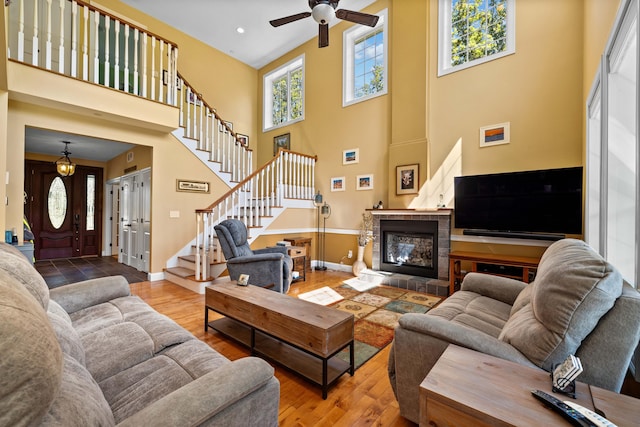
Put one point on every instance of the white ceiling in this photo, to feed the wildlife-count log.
(214, 22)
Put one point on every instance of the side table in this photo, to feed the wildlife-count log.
(297, 252)
(300, 264)
(466, 387)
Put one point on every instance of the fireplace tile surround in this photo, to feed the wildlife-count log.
(434, 286)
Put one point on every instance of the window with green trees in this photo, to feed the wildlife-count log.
(474, 31)
(365, 61)
(284, 94)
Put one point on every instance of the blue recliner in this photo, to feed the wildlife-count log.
(268, 266)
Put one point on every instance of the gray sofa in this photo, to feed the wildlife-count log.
(90, 354)
(578, 304)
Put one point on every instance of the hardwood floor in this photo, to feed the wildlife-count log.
(366, 399)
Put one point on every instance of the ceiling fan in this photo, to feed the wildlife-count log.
(323, 12)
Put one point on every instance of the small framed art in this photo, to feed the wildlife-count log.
(281, 141)
(192, 186)
(223, 128)
(337, 183)
(351, 156)
(364, 182)
(243, 139)
(407, 179)
(495, 134)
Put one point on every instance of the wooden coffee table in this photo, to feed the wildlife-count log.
(302, 336)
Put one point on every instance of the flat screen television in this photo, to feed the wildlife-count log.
(537, 204)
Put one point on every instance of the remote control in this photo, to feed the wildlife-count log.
(595, 418)
(570, 414)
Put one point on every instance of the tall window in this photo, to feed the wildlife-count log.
(365, 61)
(284, 95)
(473, 32)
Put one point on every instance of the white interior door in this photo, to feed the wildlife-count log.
(135, 220)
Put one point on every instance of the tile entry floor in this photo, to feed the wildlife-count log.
(58, 272)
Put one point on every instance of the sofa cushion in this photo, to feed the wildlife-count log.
(68, 338)
(17, 265)
(92, 319)
(31, 360)
(474, 311)
(116, 348)
(573, 289)
(80, 401)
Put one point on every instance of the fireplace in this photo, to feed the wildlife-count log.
(409, 247)
(412, 242)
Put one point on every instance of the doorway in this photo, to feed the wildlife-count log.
(65, 213)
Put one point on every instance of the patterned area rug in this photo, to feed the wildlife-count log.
(376, 313)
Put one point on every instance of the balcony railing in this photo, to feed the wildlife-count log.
(80, 41)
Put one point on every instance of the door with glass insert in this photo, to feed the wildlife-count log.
(64, 213)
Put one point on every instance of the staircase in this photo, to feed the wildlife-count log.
(255, 197)
(79, 40)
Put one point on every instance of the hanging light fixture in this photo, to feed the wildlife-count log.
(64, 165)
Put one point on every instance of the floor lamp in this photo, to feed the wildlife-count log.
(325, 211)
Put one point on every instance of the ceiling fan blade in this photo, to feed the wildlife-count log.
(323, 35)
(287, 19)
(357, 17)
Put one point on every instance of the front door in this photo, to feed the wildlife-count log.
(65, 213)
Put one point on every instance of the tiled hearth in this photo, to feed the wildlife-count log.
(432, 285)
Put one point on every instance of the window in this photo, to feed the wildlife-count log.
(365, 61)
(473, 32)
(284, 95)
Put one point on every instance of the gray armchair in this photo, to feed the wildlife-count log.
(578, 304)
(268, 266)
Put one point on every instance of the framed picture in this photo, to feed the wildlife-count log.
(221, 127)
(364, 182)
(351, 156)
(193, 99)
(192, 186)
(494, 134)
(243, 280)
(243, 139)
(281, 141)
(407, 179)
(337, 184)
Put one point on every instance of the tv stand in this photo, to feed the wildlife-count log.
(513, 234)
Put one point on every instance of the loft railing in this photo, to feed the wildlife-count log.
(288, 175)
(80, 41)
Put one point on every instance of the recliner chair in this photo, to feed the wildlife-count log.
(267, 266)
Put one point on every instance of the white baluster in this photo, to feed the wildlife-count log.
(169, 73)
(107, 55)
(174, 75)
(21, 32)
(153, 68)
(143, 55)
(35, 43)
(126, 58)
(85, 45)
(160, 68)
(61, 47)
(136, 40)
(116, 54)
(74, 39)
(96, 56)
(47, 56)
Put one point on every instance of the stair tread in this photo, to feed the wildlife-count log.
(181, 271)
(192, 258)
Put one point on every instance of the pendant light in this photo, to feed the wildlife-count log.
(64, 165)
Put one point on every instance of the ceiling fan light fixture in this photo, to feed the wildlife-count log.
(64, 165)
(323, 13)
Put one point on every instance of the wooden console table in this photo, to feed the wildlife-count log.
(526, 264)
(466, 387)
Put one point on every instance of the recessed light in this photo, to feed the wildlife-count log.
(240, 30)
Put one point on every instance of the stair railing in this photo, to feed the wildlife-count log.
(288, 175)
(78, 40)
(212, 134)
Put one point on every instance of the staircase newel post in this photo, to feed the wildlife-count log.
(198, 242)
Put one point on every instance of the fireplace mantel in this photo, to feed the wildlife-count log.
(442, 216)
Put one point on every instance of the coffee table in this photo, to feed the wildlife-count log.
(300, 335)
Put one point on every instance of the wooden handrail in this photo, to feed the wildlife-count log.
(245, 181)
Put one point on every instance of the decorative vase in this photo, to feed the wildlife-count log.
(359, 264)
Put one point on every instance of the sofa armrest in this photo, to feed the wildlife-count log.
(79, 295)
(496, 287)
(454, 333)
(207, 396)
(249, 259)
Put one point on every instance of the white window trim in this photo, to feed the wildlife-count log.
(444, 39)
(348, 39)
(268, 93)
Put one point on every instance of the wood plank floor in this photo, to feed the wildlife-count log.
(366, 399)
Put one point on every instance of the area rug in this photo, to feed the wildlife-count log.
(376, 313)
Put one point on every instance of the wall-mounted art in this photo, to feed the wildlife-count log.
(407, 179)
(495, 134)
